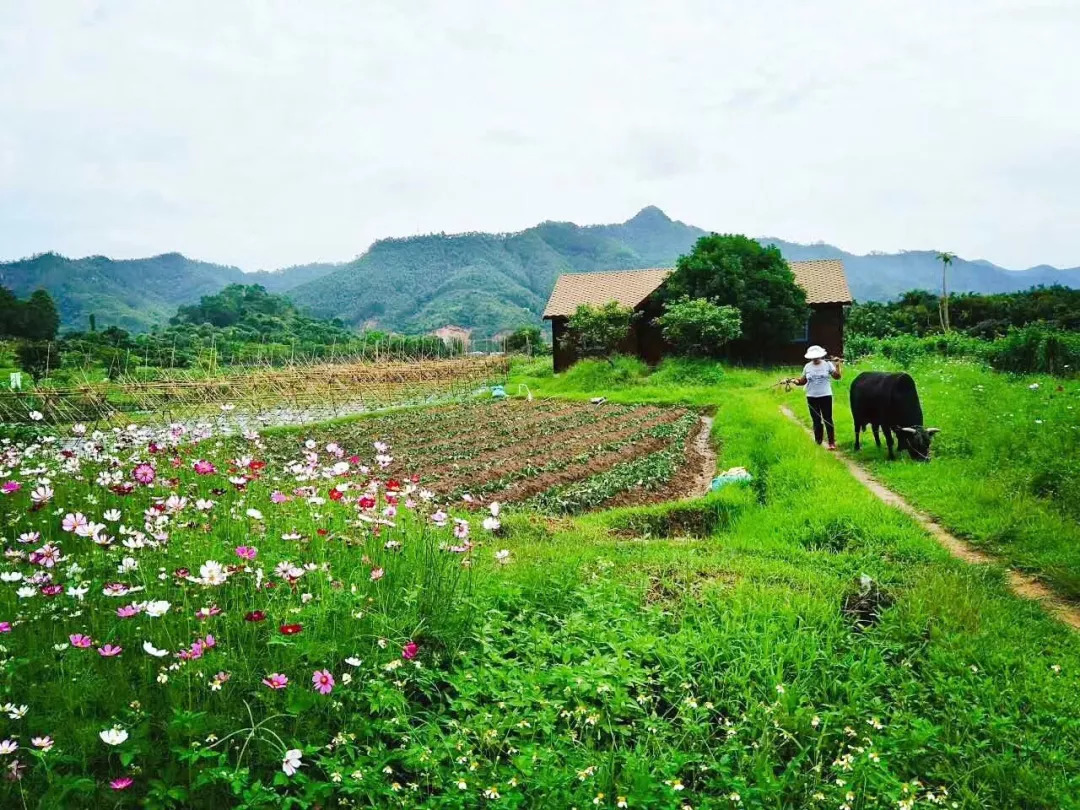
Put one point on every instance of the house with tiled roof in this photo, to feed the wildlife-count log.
(824, 281)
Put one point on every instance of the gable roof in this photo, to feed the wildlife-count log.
(823, 280)
(627, 287)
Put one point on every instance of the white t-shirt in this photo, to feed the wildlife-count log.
(818, 376)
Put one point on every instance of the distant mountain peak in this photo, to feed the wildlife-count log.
(650, 214)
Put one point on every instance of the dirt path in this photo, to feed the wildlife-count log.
(704, 454)
(1023, 585)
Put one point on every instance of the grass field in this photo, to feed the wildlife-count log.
(720, 652)
(1006, 466)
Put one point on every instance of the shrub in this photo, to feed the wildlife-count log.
(1035, 349)
(698, 327)
(598, 331)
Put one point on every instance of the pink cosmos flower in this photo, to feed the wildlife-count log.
(409, 651)
(5, 627)
(144, 474)
(376, 574)
(110, 650)
(323, 681)
(276, 681)
(79, 640)
(246, 552)
(52, 590)
(9, 487)
(121, 783)
(278, 497)
(204, 467)
(461, 528)
(127, 611)
(75, 522)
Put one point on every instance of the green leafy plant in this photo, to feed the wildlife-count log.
(597, 331)
(698, 327)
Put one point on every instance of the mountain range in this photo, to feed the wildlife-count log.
(483, 281)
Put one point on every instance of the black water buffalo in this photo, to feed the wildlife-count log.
(889, 401)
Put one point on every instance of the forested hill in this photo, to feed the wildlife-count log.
(485, 281)
(489, 282)
(135, 294)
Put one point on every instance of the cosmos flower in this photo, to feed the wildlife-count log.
(144, 474)
(110, 650)
(150, 649)
(43, 743)
(247, 552)
(291, 763)
(121, 783)
(113, 736)
(290, 629)
(79, 640)
(323, 681)
(409, 651)
(276, 681)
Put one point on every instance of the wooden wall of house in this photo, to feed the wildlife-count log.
(826, 330)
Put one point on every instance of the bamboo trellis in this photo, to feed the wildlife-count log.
(322, 390)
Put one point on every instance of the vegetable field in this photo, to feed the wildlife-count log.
(556, 456)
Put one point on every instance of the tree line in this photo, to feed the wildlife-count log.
(36, 318)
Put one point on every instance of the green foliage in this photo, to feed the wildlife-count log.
(597, 331)
(36, 357)
(698, 327)
(34, 319)
(526, 340)
(733, 270)
(984, 316)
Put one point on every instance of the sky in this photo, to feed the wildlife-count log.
(270, 133)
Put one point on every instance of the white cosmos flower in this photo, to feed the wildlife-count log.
(157, 608)
(78, 592)
(10, 576)
(353, 661)
(212, 572)
(495, 508)
(204, 505)
(112, 515)
(491, 524)
(127, 564)
(150, 649)
(26, 592)
(113, 736)
(254, 514)
(37, 416)
(291, 763)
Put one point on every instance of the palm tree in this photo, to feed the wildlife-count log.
(946, 260)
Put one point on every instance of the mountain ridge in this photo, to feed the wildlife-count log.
(485, 281)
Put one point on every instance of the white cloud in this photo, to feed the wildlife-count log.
(270, 134)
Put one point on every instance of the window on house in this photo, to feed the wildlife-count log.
(802, 333)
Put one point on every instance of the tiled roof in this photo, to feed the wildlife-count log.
(628, 287)
(823, 280)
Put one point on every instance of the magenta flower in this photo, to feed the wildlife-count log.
(246, 552)
(9, 487)
(79, 640)
(276, 681)
(110, 650)
(323, 681)
(409, 651)
(278, 497)
(5, 627)
(144, 474)
(121, 783)
(127, 611)
(204, 467)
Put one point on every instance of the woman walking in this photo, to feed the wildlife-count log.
(817, 376)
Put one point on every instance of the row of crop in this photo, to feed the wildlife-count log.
(649, 472)
(565, 462)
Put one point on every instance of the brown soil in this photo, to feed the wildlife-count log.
(1021, 584)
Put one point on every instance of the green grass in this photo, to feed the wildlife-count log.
(687, 654)
(1005, 472)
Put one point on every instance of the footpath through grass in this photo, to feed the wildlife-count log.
(1005, 472)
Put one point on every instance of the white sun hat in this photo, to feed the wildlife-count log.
(814, 352)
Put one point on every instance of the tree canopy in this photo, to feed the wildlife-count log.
(35, 319)
(698, 327)
(736, 271)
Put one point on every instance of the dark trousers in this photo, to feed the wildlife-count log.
(821, 412)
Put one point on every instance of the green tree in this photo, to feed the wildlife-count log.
(11, 311)
(946, 260)
(41, 320)
(597, 331)
(525, 340)
(36, 357)
(734, 270)
(698, 327)
(93, 322)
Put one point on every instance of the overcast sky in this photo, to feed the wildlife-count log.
(269, 133)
